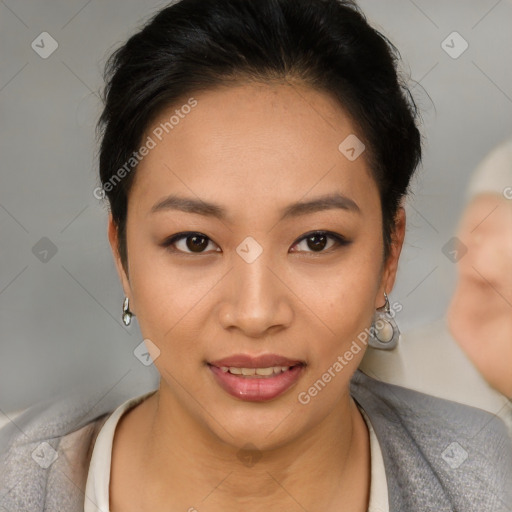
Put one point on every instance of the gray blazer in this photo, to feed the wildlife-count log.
(439, 455)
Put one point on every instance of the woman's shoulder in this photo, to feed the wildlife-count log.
(436, 447)
(45, 451)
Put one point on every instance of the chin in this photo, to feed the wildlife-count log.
(265, 430)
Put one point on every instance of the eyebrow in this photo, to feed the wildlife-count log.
(199, 207)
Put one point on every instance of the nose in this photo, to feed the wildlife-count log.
(256, 300)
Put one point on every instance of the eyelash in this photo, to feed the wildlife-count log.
(339, 241)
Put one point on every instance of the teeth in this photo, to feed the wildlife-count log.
(265, 372)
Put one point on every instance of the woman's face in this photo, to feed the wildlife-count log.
(241, 163)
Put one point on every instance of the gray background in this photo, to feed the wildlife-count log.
(60, 321)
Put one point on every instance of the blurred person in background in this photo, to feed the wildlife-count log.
(466, 356)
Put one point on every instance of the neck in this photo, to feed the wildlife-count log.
(480, 320)
(328, 466)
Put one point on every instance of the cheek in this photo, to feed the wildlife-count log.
(168, 298)
(493, 258)
(344, 301)
(346, 307)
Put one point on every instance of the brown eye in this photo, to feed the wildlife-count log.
(196, 243)
(317, 241)
(188, 243)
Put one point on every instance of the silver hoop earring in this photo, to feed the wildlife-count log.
(127, 314)
(384, 332)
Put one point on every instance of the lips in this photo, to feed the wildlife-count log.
(243, 377)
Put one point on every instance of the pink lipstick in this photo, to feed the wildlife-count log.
(256, 379)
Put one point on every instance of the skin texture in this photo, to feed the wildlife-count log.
(480, 313)
(253, 149)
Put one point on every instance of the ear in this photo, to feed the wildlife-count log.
(113, 239)
(391, 265)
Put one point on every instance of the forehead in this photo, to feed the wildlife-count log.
(486, 211)
(252, 142)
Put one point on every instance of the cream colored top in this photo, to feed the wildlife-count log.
(98, 479)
